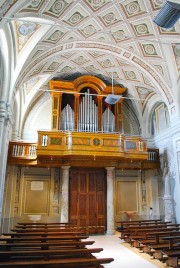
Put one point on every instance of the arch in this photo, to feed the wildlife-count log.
(91, 81)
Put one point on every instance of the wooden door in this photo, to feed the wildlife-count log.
(87, 200)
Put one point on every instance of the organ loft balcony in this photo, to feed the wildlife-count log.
(56, 149)
(85, 131)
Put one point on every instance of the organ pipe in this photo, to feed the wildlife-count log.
(87, 117)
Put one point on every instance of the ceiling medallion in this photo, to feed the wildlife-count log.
(27, 28)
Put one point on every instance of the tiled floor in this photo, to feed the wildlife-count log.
(124, 255)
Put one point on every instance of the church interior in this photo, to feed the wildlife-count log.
(89, 114)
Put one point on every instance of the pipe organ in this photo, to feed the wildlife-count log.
(80, 106)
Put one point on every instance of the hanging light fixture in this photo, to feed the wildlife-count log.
(168, 14)
(111, 98)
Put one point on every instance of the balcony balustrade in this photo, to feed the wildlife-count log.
(56, 148)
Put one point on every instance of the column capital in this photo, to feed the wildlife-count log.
(65, 167)
(110, 168)
(6, 113)
(76, 94)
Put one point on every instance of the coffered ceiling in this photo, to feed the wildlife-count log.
(106, 38)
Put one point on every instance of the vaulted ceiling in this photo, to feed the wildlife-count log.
(63, 39)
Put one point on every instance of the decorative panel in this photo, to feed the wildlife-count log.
(36, 190)
(126, 196)
(57, 7)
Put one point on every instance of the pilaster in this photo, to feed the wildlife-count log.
(5, 127)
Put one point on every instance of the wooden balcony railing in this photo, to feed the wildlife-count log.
(22, 152)
(87, 144)
(65, 146)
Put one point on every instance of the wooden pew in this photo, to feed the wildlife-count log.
(44, 245)
(35, 239)
(45, 225)
(65, 227)
(173, 257)
(123, 224)
(159, 245)
(173, 253)
(146, 233)
(150, 240)
(47, 230)
(48, 247)
(48, 254)
(171, 239)
(45, 234)
(63, 263)
(154, 242)
(133, 230)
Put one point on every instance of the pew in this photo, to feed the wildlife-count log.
(47, 230)
(130, 230)
(150, 240)
(44, 245)
(173, 254)
(171, 239)
(66, 227)
(45, 234)
(47, 254)
(63, 263)
(34, 239)
(173, 257)
(157, 246)
(161, 240)
(140, 234)
(139, 222)
(44, 223)
(48, 247)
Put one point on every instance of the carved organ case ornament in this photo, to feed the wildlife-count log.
(80, 106)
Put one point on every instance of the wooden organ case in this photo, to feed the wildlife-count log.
(80, 106)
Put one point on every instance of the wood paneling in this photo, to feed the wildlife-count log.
(87, 205)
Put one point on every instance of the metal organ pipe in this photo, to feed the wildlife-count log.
(108, 121)
(88, 116)
(67, 118)
(88, 119)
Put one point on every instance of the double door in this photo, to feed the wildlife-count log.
(87, 199)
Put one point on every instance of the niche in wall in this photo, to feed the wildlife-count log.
(160, 119)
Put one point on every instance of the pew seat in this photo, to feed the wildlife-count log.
(45, 245)
(47, 254)
(54, 263)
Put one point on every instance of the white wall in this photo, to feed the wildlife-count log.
(38, 119)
